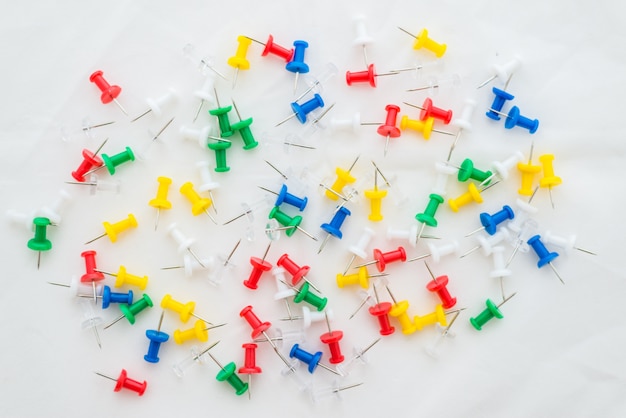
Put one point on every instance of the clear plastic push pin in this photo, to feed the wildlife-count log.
(359, 356)
(223, 265)
(317, 82)
(442, 334)
(196, 356)
(191, 266)
(519, 240)
(204, 64)
(434, 84)
(90, 319)
(97, 184)
(334, 391)
(80, 289)
(86, 128)
(487, 243)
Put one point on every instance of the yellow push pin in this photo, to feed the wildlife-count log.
(160, 201)
(113, 230)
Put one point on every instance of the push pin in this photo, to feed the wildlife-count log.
(423, 41)
(249, 366)
(108, 297)
(203, 63)
(472, 195)
(312, 360)
(90, 161)
(290, 223)
(501, 169)
(438, 252)
(362, 39)
(208, 184)
(503, 72)
(243, 127)
(122, 277)
(565, 243)
(332, 338)
(500, 98)
(260, 328)
(308, 318)
(431, 350)
(199, 331)
(124, 382)
(488, 314)
(191, 266)
(221, 113)
(367, 76)
(184, 310)
(438, 316)
(156, 337)
(361, 278)
(39, 242)
(160, 201)
(467, 171)
(382, 259)
(380, 311)
(334, 227)
(439, 285)
(425, 127)
(434, 84)
(196, 357)
(317, 394)
(389, 128)
(86, 128)
(399, 311)
(545, 256)
(130, 311)
(488, 243)
(79, 289)
(259, 266)
(463, 123)
(499, 267)
(198, 204)
(239, 60)
(111, 162)
(113, 230)
(428, 216)
(54, 212)
(156, 105)
(343, 178)
(549, 179)
(282, 290)
(528, 171)
(109, 92)
(205, 94)
(160, 131)
(91, 320)
(514, 118)
(220, 148)
(359, 249)
(228, 374)
(316, 83)
(273, 48)
(184, 243)
(297, 64)
(95, 185)
(290, 199)
(92, 275)
(305, 294)
(359, 357)
(490, 222)
(297, 272)
(301, 111)
(376, 197)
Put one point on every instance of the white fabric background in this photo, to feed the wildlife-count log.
(559, 349)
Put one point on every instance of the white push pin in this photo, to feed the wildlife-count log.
(409, 235)
(352, 124)
(206, 94)
(54, 212)
(283, 292)
(504, 72)
(462, 122)
(284, 338)
(499, 267)
(184, 243)
(444, 171)
(486, 243)
(79, 289)
(156, 105)
(308, 317)
(433, 84)
(191, 266)
(359, 249)
(207, 183)
(519, 241)
(22, 219)
(200, 135)
(565, 243)
(501, 169)
(362, 39)
(437, 252)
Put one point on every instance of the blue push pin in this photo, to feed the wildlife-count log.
(285, 197)
(109, 297)
(333, 228)
(297, 65)
(514, 118)
(302, 110)
(313, 360)
(156, 339)
(498, 103)
(545, 256)
(490, 222)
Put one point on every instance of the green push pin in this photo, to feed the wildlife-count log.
(111, 162)
(428, 216)
(468, 171)
(130, 311)
(285, 220)
(221, 113)
(305, 294)
(39, 242)
(220, 148)
(227, 373)
(243, 127)
(488, 314)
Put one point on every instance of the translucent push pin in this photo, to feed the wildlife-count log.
(362, 38)
(424, 127)
(366, 298)
(417, 68)
(90, 161)
(204, 64)
(156, 106)
(367, 76)
(283, 291)
(359, 249)
(437, 252)
(259, 266)
(492, 311)
(273, 48)
(545, 256)
(359, 356)
(160, 201)
(114, 229)
(291, 224)
(399, 197)
(68, 133)
(109, 92)
(195, 357)
(283, 196)
(489, 242)
(297, 64)
(122, 277)
(407, 234)
(399, 311)
(239, 60)
(184, 243)
(98, 185)
(91, 320)
(301, 111)
(444, 332)
(131, 311)
(463, 123)
(389, 128)
(334, 390)
(422, 40)
(317, 82)
(428, 216)
(490, 222)
(503, 72)
(191, 266)
(40, 242)
(198, 204)
(548, 180)
(249, 367)
(523, 212)
(184, 310)
(435, 83)
(312, 360)
(333, 228)
(124, 382)
(515, 118)
(156, 337)
(331, 339)
(343, 178)
(205, 94)
(225, 264)
(499, 99)
(565, 243)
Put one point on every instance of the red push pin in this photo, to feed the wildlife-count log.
(332, 338)
(381, 312)
(368, 76)
(259, 266)
(91, 274)
(90, 161)
(382, 259)
(273, 48)
(127, 383)
(257, 326)
(109, 92)
(430, 111)
(439, 285)
(389, 128)
(297, 272)
(249, 366)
